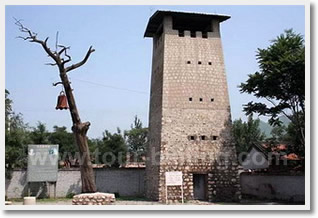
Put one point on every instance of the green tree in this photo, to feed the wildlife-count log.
(17, 138)
(66, 142)
(136, 139)
(40, 134)
(246, 134)
(280, 81)
(112, 148)
(8, 109)
(94, 150)
(278, 135)
(292, 136)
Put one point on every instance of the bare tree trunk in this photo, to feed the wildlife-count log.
(87, 173)
(80, 130)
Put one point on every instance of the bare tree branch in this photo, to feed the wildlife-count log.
(32, 37)
(24, 38)
(55, 55)
(271, 101)
(56, 40)
(64, 48)
(51, 64)
(57, 83)
(68, 56)
(74, 66)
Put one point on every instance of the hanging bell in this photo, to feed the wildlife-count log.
(61, 102)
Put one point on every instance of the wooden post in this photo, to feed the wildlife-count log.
(54, 189)
(29, 191)
(49, 188)
(166, 194)
(182, 193)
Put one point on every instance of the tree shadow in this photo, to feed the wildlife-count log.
(74, 189)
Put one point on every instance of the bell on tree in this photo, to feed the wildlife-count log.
(61, 102)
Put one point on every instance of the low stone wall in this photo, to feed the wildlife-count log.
(97, 198)
(274, 187)
(124, 182)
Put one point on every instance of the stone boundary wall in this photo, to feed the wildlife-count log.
(124, 182)
(274, 187)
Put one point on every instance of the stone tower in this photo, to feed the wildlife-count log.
(189, 119)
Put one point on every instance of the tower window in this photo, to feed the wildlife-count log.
(188, 62)
(181, 33)
(203, 137)
(201, 99)
(192, 34)
(212, 99)
(190, 99)
(210, 63)
(214, 138)
(191, 137)
(199, 62)
(204, 35)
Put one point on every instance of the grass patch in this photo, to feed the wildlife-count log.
(121, 198)
(52, 199)
(41, 199)
(15, 199)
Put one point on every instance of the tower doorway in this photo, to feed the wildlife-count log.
(200, 187)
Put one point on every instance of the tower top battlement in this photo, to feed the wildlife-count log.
(183, 21)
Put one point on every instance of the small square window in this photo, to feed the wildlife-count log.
(201, 99)
(203, 137)
(181, 33)
(212, 99)
(190, 99)
(214, 138)
(199, 62)
(192, 137)
(210, 63)
(188, 62)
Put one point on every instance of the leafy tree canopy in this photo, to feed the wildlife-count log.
(136, 139)
(66, 142)
(40, 134)
(112, 148)
(281, 81)
(16, 138)
(246, 134)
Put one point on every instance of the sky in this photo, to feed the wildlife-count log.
(114, 85)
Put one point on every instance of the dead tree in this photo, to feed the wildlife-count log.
(60, 58)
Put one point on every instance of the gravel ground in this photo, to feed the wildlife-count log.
(144, 202)
(120, 202)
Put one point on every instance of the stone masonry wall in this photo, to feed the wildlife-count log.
(155, 115)
(195, 116)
